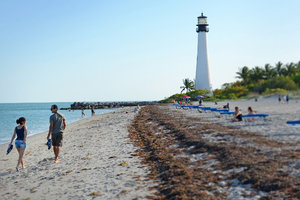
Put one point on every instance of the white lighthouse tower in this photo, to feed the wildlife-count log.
(202, 72)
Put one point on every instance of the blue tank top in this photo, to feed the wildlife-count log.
(20, 133)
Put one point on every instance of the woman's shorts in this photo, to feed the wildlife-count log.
(57, 139)
(19, 144)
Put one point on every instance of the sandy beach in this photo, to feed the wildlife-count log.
(163, 152)
(97, 162)
(206, 156)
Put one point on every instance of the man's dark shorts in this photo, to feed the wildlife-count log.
(57, 139)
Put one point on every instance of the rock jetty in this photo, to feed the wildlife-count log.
(104, 105)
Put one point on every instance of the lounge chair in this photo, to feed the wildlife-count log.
(251, 117)
(294, 123)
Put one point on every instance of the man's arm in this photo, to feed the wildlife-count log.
(50, 130)
(65, 124)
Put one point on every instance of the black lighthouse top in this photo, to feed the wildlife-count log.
(202, 24)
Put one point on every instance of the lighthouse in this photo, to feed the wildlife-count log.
(202, 70)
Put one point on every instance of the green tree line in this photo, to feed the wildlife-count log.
(280, 77)
(268, 79)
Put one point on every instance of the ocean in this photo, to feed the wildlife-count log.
(37, 117)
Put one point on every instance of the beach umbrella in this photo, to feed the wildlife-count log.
(199, 97)
(186, 97)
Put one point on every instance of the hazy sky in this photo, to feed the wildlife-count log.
(134, 50)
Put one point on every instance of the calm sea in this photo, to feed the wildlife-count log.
(37, 116)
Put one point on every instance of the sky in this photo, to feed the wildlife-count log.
(125, 50)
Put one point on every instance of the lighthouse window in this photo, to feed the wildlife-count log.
(202, 21)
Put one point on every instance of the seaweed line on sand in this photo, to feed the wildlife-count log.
(164, 136)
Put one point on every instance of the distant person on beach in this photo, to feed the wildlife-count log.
(82, 112)
(250, 111)
(226, 106)
(137, 109)
(56, 129)
(279, 99)
(93, 111)
(200, 102)
(20, 143)
(287, 98)
(237, 116)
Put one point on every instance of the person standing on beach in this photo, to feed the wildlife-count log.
(93, 110)
(82, 112)
(279, 99)
(200, 102)
(21, 132)
(56, 129)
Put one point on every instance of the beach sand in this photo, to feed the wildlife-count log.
(97, 162)
(205, 156)
(188, 154)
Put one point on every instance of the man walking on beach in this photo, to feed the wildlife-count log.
(56, 128)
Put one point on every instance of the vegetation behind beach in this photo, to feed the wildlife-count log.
(279, 79)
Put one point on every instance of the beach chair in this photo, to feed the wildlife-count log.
(252, 118)
(203, 109)
(185, 107)
(227, 115)
(294, 126)
(293, 123)
(177, 106)
(220, 110)
(217, 112)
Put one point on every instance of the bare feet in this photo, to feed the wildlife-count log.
(23, 166)
(56, 161)
(17, 168)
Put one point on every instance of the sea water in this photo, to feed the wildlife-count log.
(37, 116)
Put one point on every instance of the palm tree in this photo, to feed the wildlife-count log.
(269, 71)
(298, 67)
(290, 69)
(244, 74)
(256, 74)
(278, 68)
(188, 85)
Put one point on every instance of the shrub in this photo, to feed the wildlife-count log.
(194, 93)
(296, 79)
(275, 91)
(231, 92)
(282, 82)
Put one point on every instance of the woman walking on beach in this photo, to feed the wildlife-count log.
(21, 132)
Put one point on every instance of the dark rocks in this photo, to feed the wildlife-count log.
(105, 105)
